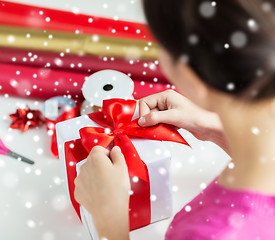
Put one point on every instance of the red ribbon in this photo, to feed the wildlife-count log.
(72, 113)
(118, 127)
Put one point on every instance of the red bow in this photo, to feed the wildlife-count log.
(118, 127)
(24, 118)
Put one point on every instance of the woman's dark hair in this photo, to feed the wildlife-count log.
(230, 44)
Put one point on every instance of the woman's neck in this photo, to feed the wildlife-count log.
(250, 131)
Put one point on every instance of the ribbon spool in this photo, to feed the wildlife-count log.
(55, 110)
(54, 107)
(105, 84)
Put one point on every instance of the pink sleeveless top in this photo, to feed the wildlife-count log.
(225, 214)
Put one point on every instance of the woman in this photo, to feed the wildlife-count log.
(220, 55)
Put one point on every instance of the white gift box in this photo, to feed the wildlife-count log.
(153, 153)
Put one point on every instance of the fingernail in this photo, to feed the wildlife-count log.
(142, 120)
(117, 148)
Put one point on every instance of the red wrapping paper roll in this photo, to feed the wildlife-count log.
(142, 70)
(28, 16)
(43, 83)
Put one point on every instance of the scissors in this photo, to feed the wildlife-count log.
(5, 151)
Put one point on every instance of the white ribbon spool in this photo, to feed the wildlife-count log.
(105, 84)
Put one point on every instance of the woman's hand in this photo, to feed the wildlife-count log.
(172, 108)
(102, 187)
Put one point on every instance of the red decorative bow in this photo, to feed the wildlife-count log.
(118, 127)
(24, 118)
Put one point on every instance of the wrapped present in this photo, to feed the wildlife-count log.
(145, 154)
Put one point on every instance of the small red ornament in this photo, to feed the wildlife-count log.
(24, 118)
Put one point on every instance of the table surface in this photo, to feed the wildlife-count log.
(34, 202)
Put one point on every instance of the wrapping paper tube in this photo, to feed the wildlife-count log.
(43, 83)
(76, 43)
(137, 69)
(15, 14)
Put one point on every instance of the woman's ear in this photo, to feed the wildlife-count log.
(185, 79)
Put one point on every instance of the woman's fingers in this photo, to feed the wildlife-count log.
(155, 101)
(99, 156)
(100, 149)
(155, 117)
(117, 156)
(143, 108)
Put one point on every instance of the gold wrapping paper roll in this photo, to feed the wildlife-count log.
(77, 43)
